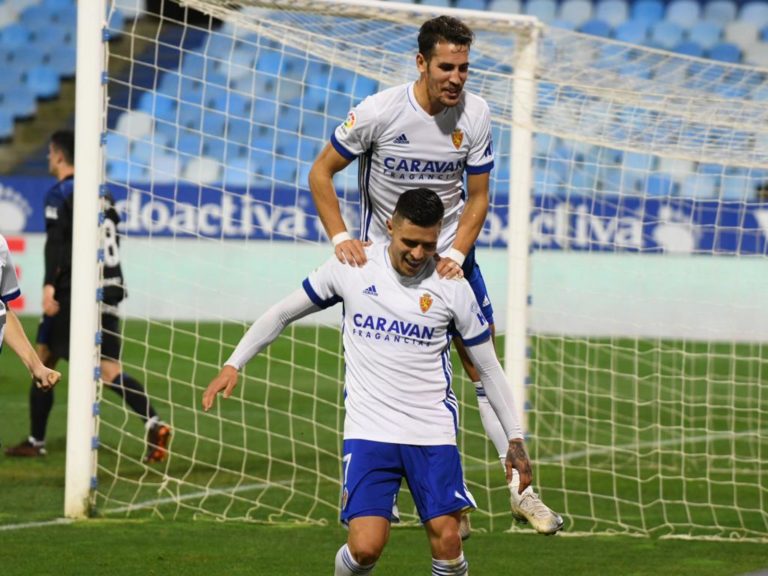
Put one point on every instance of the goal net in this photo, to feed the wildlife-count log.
(646, 403)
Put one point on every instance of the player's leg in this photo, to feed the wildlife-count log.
(41, 401)
(526, 507)
(158, 433)
(436, 481)
(371, 479)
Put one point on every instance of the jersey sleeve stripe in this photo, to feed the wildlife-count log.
(477, 339)
(339, 147)
(11, 295)
(480, 169)
(316, 299)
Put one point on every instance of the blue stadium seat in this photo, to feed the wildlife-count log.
(238, 131)
(596, 28)
(268, 61)
(215, 148)
(214, 122)
(34, 15)
(64, 61)
(684, 13)
(562, 24)
(286, 170)
(666, 34)
(287, 144)
(15, 36)
(471, 4)
(725, 52)
(157, 104)
(438, 3)
(237, 173)
(699, 186)
(189, 142)
(614, 12)
(43, 82)
(220, 46)
(689, 48)
(128, 172)
(720, 11)
(575, 11)
(632, 31)
(505, 6)
(264, 112)
(191, 116)
(706, 34)
(660, 185)
(118, 146)
(363, 87)
(313, 125)
(544, 10)
(755, 12)
(6, 124)
(737, 186)
(647, 11)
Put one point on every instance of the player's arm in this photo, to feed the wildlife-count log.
(15, 337)
(261, 334)
(500, 397)
(348, 250)
(470, 223)
(53, 257)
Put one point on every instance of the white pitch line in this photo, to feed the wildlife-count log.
(42, 523)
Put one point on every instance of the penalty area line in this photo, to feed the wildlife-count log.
(41, 524)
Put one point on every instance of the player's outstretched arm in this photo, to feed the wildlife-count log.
(260, 335)
(348, 250)
(500, 397)
(44, 377)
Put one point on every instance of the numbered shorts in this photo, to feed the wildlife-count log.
(373, 472)
(53, 332)
(475, 278)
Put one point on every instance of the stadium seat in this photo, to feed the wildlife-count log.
(15, 36)
(684, 13)
(268, 61)
(471, 4)
(438, 3)
(164, 168)
(689, 48)
(659, 185)
(237, 173)
(720, 11)
(665, 34)
(544, 10)
(706, 34)
(725, 52)
(214, 122)
(737, 187)
(647, 11)
(614, 12)
(596, 27)
(313, 125)
(742, 33)
(6, 124)
(575, 11)
(699, 186)
(632, 31)
(43, 82)
(286, 170)
(18, 101)
(215, 148)
(118, 146)
(202, 170)
(505, 6)
(128, 172)
(755, 12)
(64, 61)
(756, 55)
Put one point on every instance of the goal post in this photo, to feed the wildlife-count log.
(624, 253)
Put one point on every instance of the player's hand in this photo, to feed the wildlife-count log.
(517, 458)
(448, 269)
(50, 304)
(226, 381)
(45, 378)
(352, 252)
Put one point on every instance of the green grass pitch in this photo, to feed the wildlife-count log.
(173, 537)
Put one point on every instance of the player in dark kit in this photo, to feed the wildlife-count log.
(53, 332)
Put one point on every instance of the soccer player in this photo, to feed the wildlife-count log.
(53, 332)
(427, 132)
(401, 416)
(10, 328)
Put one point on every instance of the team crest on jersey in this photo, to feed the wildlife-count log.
(457, 138)
(425, 302)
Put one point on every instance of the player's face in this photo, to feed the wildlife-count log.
(445, 73)
(412, 246)
(52, 159)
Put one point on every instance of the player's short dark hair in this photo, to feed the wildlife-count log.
(443, 29)
(421, 206)
(64, 142)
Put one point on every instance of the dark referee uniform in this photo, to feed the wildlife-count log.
(54, 330)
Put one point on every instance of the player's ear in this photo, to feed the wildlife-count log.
(389, 226)
(421, 63)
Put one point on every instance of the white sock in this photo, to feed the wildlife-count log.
(456, 567)
(151, 422)
(347, 566)
(491, 423)
(35, 442)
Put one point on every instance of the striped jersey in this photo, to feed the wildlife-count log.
(399, 146)
(397, 333)
(9, 283)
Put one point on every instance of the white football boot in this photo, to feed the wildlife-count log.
(528, 508)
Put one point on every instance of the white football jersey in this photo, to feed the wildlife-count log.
(397, 347)
(9, 283)
(400, 147)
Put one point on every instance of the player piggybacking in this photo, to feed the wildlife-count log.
(426, 133)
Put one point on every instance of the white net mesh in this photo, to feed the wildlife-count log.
(647, 400)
